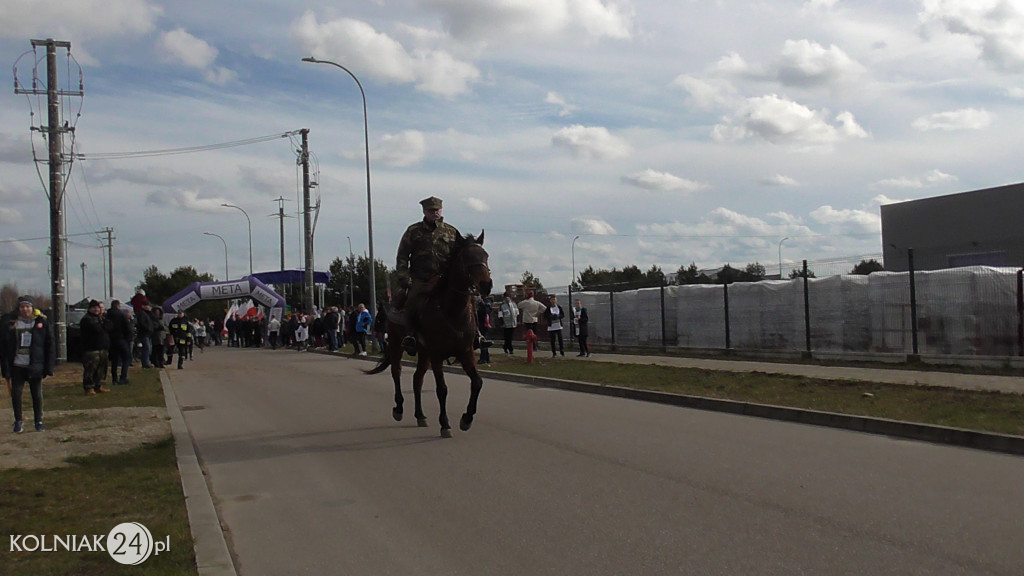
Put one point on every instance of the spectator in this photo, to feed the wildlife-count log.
(26, 355)
(144, 331)
(531, 314)
(508, 317)
(274, 329)
(179, 331)
(159, 336)
(363, 322)
(581, 325)
(120, 342)
(554, 315)
(94, 341)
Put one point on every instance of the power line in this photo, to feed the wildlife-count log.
(186, 150)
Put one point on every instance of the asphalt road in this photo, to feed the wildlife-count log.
(312, 476)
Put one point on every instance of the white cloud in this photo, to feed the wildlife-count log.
(593, 226)
(705, 93)
(180, 47)
(384, 58)
(591, 142)
(82, 19)
(662, 181)
(778, 180)
(9, 216)
(187, 200)
(806, 63)
(965, 119)
(785, 122)
(477, 205)
(849, 220)
(557, 99)
(995, 26)
(399, 150)
(475, 20)
(933, 178)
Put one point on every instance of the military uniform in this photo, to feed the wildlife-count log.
(422, 253)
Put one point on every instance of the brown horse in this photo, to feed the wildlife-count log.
(447, 321)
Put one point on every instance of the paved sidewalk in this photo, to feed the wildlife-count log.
(911, 377)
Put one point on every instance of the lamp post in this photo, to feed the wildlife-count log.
(250, 231)
(226, 277)
(369, 203)
(574, 260)
(780, 256)
(351, 272)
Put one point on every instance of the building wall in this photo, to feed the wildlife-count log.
(983, 227)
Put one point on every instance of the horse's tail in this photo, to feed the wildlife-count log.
(385, 361)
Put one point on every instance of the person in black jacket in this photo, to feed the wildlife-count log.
(95, 343)
(120, 342)
(144, 331)
(26, 355)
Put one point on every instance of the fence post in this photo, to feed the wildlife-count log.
(1020, 312)
(728, 337)
(611, 304)
(807, 310)
(664, 346)
(913, 304)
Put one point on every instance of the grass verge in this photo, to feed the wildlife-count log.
(98, 492)
(983, 411)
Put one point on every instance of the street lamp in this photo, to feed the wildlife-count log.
(250, 231)
(574, 260)
(369, 204)
(351, 271)
(226, 277)
(780, 256)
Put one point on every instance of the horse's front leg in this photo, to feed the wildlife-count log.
(476, 383)
(442, 397)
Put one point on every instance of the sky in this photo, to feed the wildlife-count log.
(657, 132)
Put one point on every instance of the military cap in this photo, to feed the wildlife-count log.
(432, 203)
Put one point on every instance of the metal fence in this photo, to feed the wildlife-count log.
(975, 310)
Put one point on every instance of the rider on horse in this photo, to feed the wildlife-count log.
(422, 254)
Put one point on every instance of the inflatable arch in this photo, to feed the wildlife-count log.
(248, 287)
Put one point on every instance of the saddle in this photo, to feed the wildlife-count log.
(396, 314)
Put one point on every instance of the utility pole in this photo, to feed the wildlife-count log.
(55, 138)
(281, 216)
(307, 225)
(110, 257)
(83, 280)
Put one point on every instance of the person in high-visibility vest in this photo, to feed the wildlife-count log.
(178, 327)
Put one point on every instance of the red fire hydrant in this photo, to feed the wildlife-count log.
(531, 343)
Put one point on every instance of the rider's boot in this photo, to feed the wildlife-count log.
(409, 343)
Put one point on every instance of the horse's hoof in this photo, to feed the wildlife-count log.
(465, 422)
(446, 433)
(421, 422)
(396, 413)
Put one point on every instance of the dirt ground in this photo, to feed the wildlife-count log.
(77, 433)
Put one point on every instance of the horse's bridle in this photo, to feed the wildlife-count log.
(474, 288)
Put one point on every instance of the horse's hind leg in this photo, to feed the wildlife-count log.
(396, 375)
(417, 390)
(442, 398)
(476, 383)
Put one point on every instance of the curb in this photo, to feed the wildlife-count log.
(992, 442)
(211, 550)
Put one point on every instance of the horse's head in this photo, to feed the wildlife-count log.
(468, 264)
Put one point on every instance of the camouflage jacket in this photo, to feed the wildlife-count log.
(424, 250)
